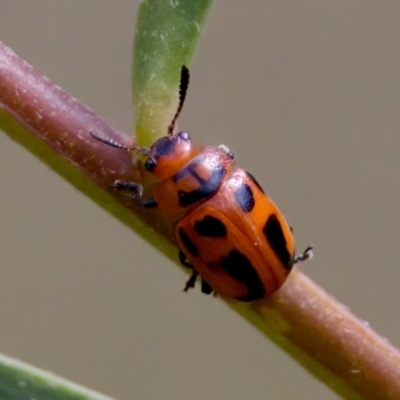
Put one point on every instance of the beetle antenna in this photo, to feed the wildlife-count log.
(109, 141)
(183, 87)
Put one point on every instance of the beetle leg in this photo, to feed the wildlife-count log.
(137, 189)
(191, 281)
(205, 287)
(183, 260)
(305, 255)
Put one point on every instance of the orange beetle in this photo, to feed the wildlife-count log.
(228, 230)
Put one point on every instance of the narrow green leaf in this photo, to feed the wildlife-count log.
(20, 381)
(167, 33)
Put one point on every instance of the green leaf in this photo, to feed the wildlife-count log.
(20, 381)
(166, 37)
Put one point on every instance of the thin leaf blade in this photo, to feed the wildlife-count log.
(166, 37)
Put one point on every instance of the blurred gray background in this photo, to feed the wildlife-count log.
(306, 93)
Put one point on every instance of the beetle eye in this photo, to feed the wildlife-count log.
(184, 135)
(150, 164)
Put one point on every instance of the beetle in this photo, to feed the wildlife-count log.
(228, 229)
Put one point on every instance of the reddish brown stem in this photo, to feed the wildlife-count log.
(60, 129)
(59, 120)
(317, 331)
(356, 359)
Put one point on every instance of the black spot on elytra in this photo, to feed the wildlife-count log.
(207, 187)
(239, 267)
(276, 239)
(187, 242)
(210, 227)
(254, 180)
(244, 197)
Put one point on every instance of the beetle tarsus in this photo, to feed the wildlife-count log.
(305, 255)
